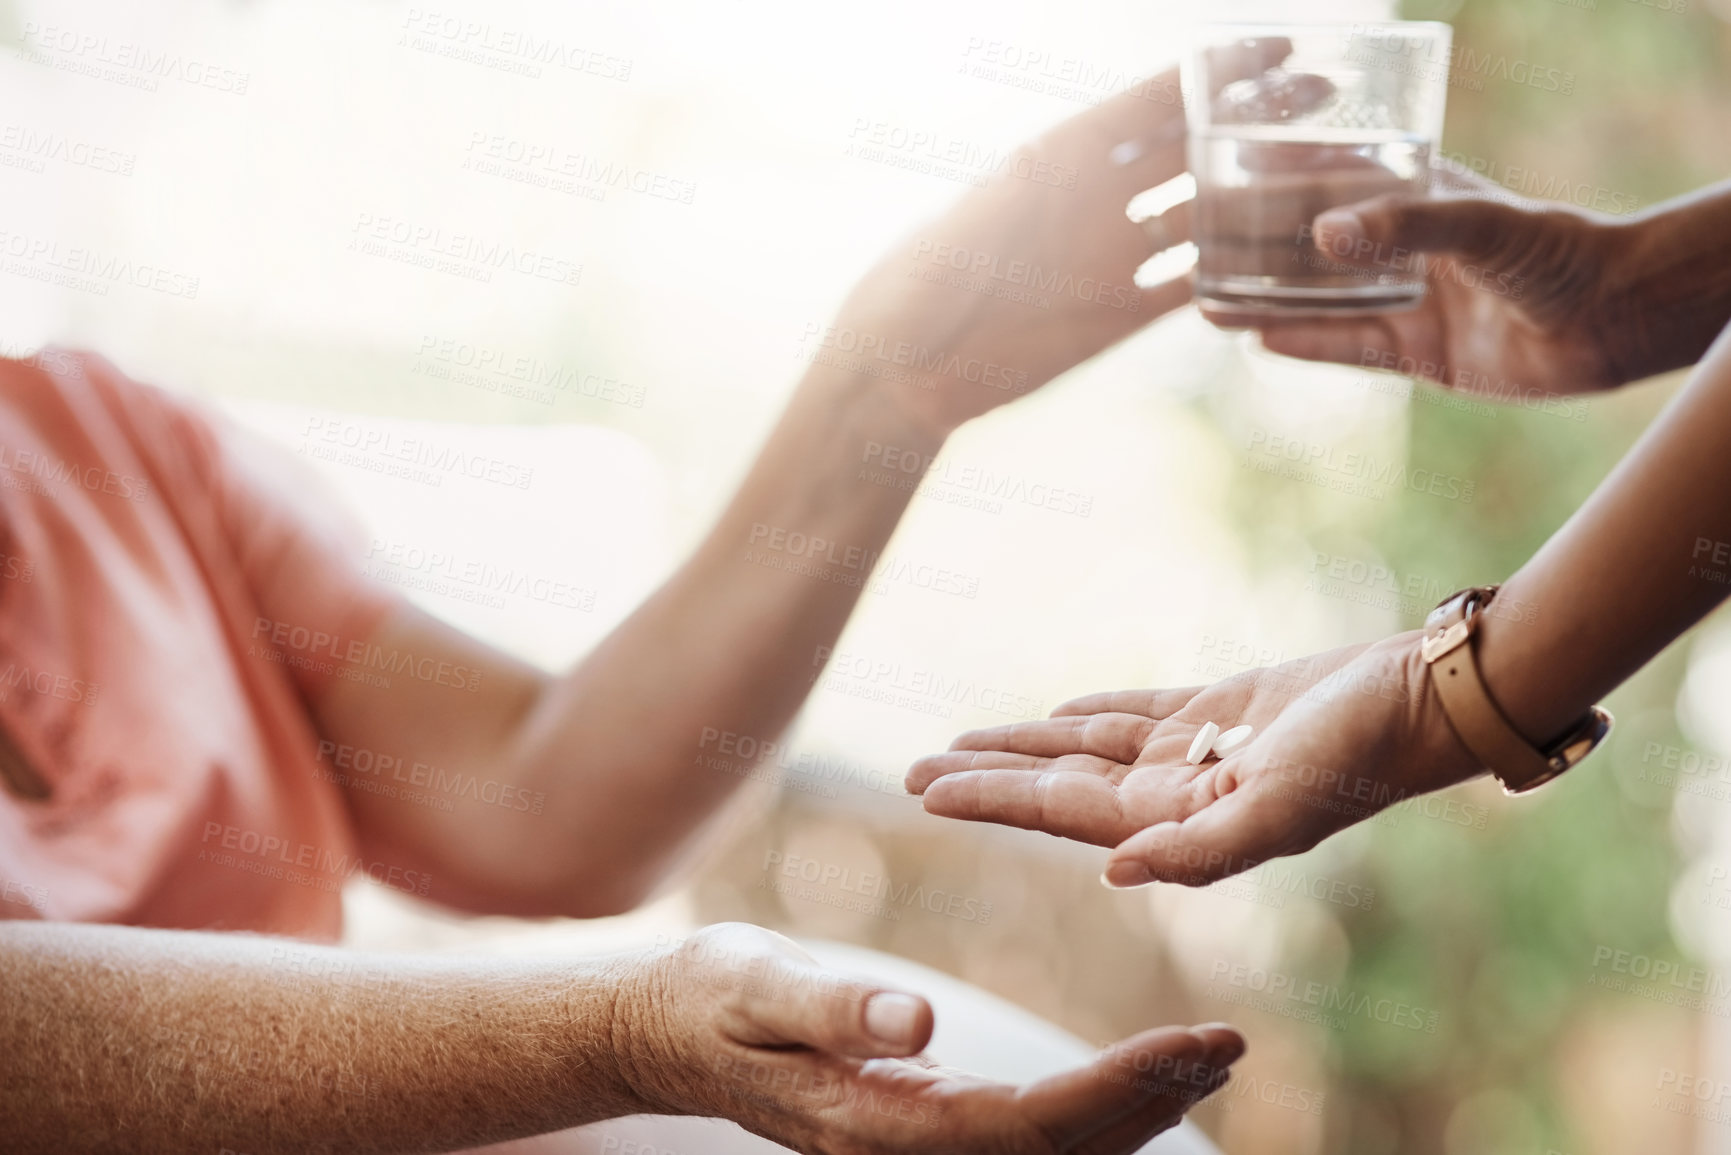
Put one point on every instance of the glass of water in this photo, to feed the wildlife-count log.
(1353, 111)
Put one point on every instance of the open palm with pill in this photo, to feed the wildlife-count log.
(1331, 740)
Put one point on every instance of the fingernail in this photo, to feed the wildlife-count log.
(1226, 1053)
(891, 1018)
(1124, 875)
(1339, 224)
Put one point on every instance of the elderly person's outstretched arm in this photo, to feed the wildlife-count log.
(152, 1041)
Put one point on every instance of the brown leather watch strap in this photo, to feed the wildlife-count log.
(1482, 727)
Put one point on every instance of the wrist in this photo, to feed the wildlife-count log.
(884, 404)
(641, 1038)
(1517, 661)
(621, 1015)
(935, 355)
(1441, 758)
(1668, 295)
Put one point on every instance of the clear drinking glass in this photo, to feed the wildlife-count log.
(1352, 112)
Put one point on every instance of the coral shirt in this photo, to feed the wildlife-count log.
(158, 760)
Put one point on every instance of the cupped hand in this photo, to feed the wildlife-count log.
(1338, 737)
(741, 1023)
(1523, 299)
(1034, 272)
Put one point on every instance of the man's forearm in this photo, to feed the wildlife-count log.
(1632, 570)
(116, 1038)
(641, 743)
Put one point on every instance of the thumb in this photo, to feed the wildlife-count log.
(802, 1003)
(1483, 231)
(1237, 833)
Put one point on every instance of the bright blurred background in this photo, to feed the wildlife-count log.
(1479, 964)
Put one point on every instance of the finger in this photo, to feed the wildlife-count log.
(1164, 1111)
(1243, 60)
(1158, 295)
(1363, 341)
(1145, 110)
(1144, 125)
(1155, 296)
(1224, 1043)
(796, 1002)
(1277, 210)
(1154, 704)
(1166, 229)
(929, 769)
(1239, 830)
(1275, 97)
(1132, 1091)
(1117, 737)
(1483, 231)
(1081, 806)
(1149, 109)
(1450, 176)
(1154, 157)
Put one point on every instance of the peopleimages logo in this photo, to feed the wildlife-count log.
(135, 65)
(915, 688)
(1547, 186)
(936, 153)
(414, 458)
(1324, 997)
(519, 50)
(46, 684)
(1661, 980)
(1351, 472)
(34, 147)
(938, 477)
(349, 655)
(862, 349)
(1387, 47)
(744, 755)
(466, 254)
(273, 856)
(1066, 77)
(360, 767)
(772, 1084)
(878, 888)
(1020, 274)
(1382, 260)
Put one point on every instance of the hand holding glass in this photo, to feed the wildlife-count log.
(1353, 112)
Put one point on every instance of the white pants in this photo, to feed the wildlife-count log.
(976, 1032)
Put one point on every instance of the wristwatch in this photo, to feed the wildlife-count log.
(1447, 650)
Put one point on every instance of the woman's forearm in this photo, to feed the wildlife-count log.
(641, 743)
(117, 1038)
(1643, 560)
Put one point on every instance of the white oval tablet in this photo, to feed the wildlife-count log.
(1203, 743)
(1232, 740)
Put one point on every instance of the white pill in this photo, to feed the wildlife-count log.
(1232, 740)
(1204, 741)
